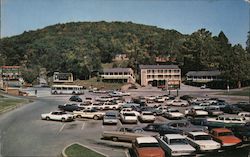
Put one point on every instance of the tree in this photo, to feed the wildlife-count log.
(248, 43)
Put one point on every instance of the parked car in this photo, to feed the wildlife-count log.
(196, 111)
(129, 110)
(160, 99)
(225, 137)
(202, 142)
(147, 147)
(104, 98)
(57, 115)
(246, 115)
(75, 98)
(130, 105)
(139, 100)
(198, 121)
(128, 117)
(69, 107)
(89, 113)
(225, 121)
(179, 127)
(124, 134)
(242, 132)
(245, 106)
(176, 145)
(214, 110)
(153, 127)
(85, 105)
(159, 110)
(181, 103)
(172, 113)
(110, 117)
(232, 109)
(146, 116)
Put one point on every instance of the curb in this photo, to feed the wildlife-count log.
(64, 154)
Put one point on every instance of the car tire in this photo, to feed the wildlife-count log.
(63, 119)
(115, 139)
(95, 117)
(47, 118)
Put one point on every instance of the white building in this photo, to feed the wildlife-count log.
(203, 76)
(118, 75)
(62, 77)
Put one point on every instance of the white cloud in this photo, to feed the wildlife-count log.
(248, 1)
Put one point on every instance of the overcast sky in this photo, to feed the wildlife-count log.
(185, 16)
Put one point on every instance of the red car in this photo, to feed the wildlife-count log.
(225, 137)
(147, 147)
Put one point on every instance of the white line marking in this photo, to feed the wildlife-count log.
(83, 124)
(127, 153)
(61, 128)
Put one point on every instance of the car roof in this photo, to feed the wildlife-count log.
(195, 133)
(147, 139)
(173, 136)
(230, 116)
(221, 130)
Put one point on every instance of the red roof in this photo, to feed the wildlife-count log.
(221, 130)
(10, 67)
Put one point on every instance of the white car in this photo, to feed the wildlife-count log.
(246, 115)
(181, 103)
(202, 141)
(160, 99)
(128, 118)
(110, 106)
(129, 110)
(146, 116)
(172, 113)
(58, 115)
(176, 145)
(196, 111)
(89, 113)
(150, 98)
(104, 98)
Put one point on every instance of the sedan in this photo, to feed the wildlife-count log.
(57, 115)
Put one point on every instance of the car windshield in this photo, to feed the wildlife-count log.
(129, 114)
(202, 137)
(225, 134)
(148, 113)
(110, 117)
(141, 145)
(178, 142)
(173, 111)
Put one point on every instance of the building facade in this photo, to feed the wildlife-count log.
(203, 76)
(10, 76)
(118, 75)
(62, 77)
(160, 75)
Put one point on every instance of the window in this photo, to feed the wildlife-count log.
(148, 71)
(120, 73)
(116, 73)
(125, 73)
(148, 76)
(170, 71)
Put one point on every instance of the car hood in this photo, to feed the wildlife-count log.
(207, 142)
(151, 152)
(229, 139)
(177, 114)
(183, 147)
(201, 112)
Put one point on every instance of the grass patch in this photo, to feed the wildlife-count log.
(6, 103)
(244, 92)
(77, 150)
(93, 82)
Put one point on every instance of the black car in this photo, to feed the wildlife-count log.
(198, 121)
(243, 105)
(75, 98)
(179, 127)
(139, 100)
(186, 97)
(231, 109)
(154, 127)
(69, 107)
(242, 132)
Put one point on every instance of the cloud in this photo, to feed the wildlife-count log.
(248, 1)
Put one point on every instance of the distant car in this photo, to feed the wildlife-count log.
(196, 111)
(180, 103)
(232, 109)
(75, 98)
(159, 110)
(153, 127)
(186, 97)
(129, 110)
(172, 113)
(179, 127)
(89, 113)
(176, 145)
(242, 132)
(85, 105)
(147, 147)
(130, 105)
(146, 116)
(124, 134)
(202, 142)
(225, 121)
(225, 137)
(104, 98)
(198, 121)
(128, 118)
(69, 107)
(203, 87)
(110, 117)
(139, 100)
(246, 115)
(214, 110)
(245, 106)
(160, 99)
(57, 115)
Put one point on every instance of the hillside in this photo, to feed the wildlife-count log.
(81, 47)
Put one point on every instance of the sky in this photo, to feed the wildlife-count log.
(186, 16)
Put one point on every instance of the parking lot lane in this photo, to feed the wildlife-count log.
(83, 125)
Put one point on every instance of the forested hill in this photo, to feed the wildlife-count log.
(81, 47)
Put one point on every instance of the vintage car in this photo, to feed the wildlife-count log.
(159, 110)
(213, 110)
(181, 103)
(172, 113)
(69, 107)
(179, 127)
(231, 109)
(153, 127)
(202, 141)
(246, 115)
(147, 147)
(242, 132)
(129, 110)
(176, 145)
(125, 134)
(75, 98)
(89, 113)
(128, 117)
(225, 137)
(196, 111)
(57, 115)
(225, 121)
(110, 117)
(146, 116)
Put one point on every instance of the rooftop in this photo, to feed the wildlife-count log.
(146, 139)
(159, 67)
(117, 70)
(204, 73)
(221, 130)
(196, 133)
(174, 136)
